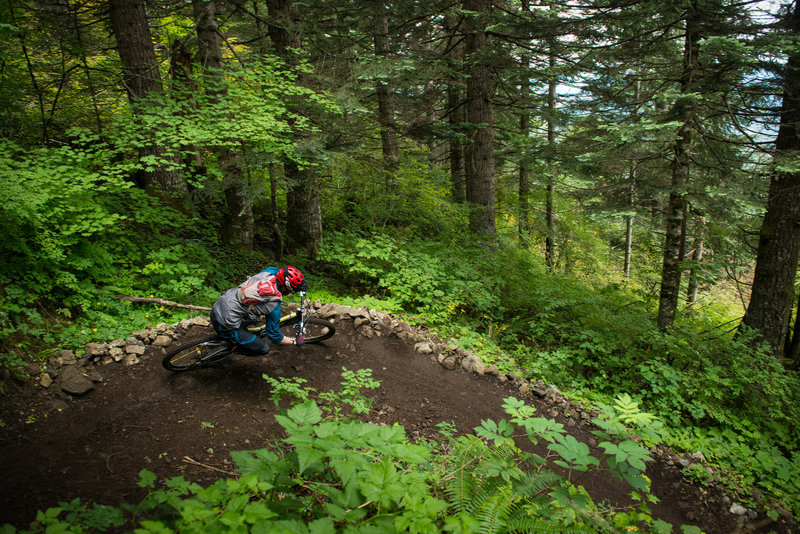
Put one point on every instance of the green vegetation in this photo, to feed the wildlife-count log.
(602, 238)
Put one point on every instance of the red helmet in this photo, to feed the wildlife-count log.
(294, 281)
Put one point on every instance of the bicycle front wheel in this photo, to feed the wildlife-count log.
(314, 331)
(196, 353)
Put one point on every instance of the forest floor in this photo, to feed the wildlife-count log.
(55, 447)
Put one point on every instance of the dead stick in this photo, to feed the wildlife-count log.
(188, 460)
(164, 302)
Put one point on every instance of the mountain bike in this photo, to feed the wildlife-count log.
(209, 349)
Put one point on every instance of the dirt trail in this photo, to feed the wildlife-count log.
(142, 416)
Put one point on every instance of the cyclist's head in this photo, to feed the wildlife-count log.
(292, 279)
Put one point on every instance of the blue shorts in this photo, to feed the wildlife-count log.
(248, 343)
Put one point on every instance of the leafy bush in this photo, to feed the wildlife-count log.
(76, 234)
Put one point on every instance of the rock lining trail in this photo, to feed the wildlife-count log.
(86, 426)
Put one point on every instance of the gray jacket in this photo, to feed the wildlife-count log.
(230, 312)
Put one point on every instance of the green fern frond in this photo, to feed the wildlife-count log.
(536, 483)
(493, 512)
(543, 526)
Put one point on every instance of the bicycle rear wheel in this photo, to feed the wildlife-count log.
(196, 353)
(314, 331)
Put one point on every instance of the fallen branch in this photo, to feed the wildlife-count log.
(189, 460)
(163, 302)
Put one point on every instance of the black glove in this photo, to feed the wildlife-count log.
(299, 340)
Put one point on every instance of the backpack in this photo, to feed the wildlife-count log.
(258, 289)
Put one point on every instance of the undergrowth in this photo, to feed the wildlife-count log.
(712, 391)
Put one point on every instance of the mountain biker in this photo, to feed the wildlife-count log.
(259, 295)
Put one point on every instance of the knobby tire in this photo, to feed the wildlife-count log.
(316, 330)
(196, 353)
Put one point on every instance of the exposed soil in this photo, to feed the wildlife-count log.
(55, 447)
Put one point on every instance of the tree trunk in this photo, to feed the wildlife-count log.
(238, 227)
(385, 106)
(629, 221)
(74, 21)
(792, 351)
(455, 112)
(549, 216)
(772, 294)
(674, 218)
(697, 257)
(480, 150)
(524, 227)
(637, 95)
(304, 218)
(275, 170)
(142, 78)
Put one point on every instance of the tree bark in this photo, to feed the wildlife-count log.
(480, 150)
(142, 78)
(384, 96)
(792, 349)
(304, 219)
(637, 95)
(238, 227)
(549, 215)
(523, 226)
(779, 239)
(455, 112)
(697, 257)
(629, 222)
(674, 218)
(275, 170)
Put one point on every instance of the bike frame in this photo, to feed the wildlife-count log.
(302, 311)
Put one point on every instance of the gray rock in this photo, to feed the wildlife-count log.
(135, 349)
(116, 353)
(524, 389)
(200, 321)
(74, 382)
(738, 509)
(473, 364)
(162, 341)
(449, 362)
(539, 388)
(67, 357)
(95, 349)
(552, 393)
(140, 335)
(45, 381)
(131, 359)
(423, 348)
(492, 370)
(357, 312)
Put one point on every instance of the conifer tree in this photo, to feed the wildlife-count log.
(772, 295)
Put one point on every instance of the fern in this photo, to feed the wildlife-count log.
(486, 482)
